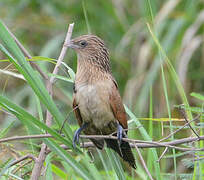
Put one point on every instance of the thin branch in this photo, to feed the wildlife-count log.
(63, 51)
(39, 163)
(174, 132)
(162, 155)
(143, 162)
(151, 144)
(139, 143)
(22, 165)
(186, 119)
(14, 138)
(42, 155)
(28, 156)
(60, 131)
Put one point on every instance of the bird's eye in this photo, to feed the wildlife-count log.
(83, 43)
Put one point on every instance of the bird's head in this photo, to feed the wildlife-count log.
(92, 49)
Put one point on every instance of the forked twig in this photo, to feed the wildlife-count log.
(174, 132)
(28, 156)
(22, 165)
(163, 153)
(184, 115)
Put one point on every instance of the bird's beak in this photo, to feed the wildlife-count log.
(71, 44)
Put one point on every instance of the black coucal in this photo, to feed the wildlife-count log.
(96, 101)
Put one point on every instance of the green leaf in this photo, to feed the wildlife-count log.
(61, 77)
(198, 96)
(60, 173)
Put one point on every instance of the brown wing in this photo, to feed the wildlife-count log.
(77, 113)
(117, 106)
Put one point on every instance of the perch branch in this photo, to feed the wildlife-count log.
(139, 143)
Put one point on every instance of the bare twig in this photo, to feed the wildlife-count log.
(39, 163)
(139, 143)
(148, 144)
(174, 132)
(14, 138)
(63, 51)
(162, 155)
(22, 165)
(67, 118)
(28, 156)
(143, 162)
(42, 155)
(143, 145)
(186, 119)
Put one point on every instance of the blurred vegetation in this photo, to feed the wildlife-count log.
(147, 83)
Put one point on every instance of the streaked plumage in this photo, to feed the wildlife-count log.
(96, 101)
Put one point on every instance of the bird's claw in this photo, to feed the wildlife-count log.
(76, 138)
(77, 133)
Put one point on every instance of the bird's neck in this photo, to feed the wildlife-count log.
(89, 72)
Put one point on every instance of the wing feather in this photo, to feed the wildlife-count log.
(77, 112)
(117, 106)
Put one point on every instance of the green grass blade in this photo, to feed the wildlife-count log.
(146, 137)
(149, 154)
(68, 158)
(198, 96)
(169, 114)
(30, 75)
(86, 17)
(104, 162)
(91, 167)
(48, 174)
(30, 120)
(60, 173)
(5, 130)
(172, 71)
(115, 162)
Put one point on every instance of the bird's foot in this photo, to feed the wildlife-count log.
(77, 133)
(119, 133)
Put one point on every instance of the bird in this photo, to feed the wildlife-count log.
(97, 103)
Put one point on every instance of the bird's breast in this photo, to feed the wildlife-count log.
(93, 102)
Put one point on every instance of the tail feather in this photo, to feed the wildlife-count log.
(98, 143)
(124, 150)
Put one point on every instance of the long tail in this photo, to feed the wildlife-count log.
(124, 150)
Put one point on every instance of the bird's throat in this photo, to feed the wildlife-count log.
(90, 72)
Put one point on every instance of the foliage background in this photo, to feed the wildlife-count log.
(145, 82)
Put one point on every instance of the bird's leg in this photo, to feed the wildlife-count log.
(77, 133)
(119, 133)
